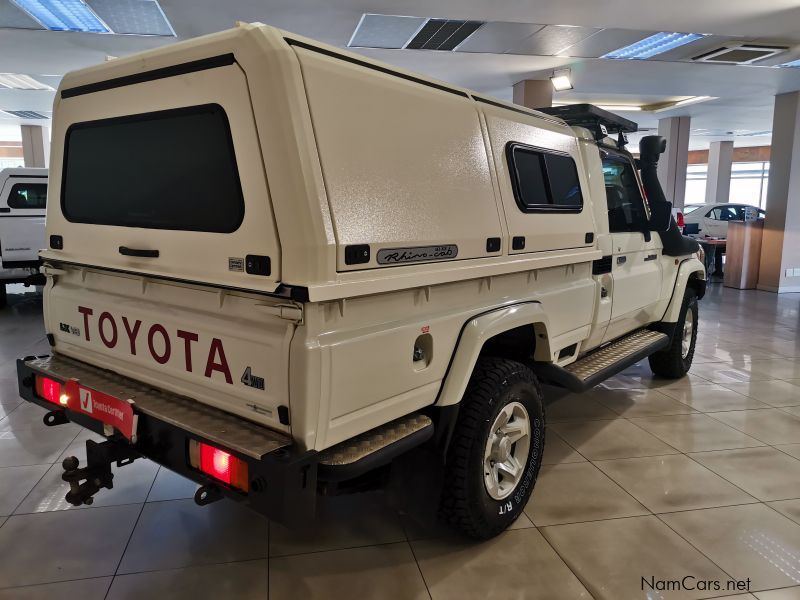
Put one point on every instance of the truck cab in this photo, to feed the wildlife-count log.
(320, 272)
(23, 199)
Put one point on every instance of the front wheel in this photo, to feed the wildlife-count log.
(675, 360)
(496, 449)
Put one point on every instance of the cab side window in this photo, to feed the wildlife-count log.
(28, 196)
(624, 196)
(543, 181)
(727, 213)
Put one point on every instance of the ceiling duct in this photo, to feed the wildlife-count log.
(442, 34)
(739, 54)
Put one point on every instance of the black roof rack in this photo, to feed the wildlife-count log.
(600, 122)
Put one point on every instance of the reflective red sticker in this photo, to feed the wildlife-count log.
(107, 409)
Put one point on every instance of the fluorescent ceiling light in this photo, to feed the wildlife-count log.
(692, 100)
(21, 82)
(64, 15)
(657, 108)
(654, 45)
(620, 107)
(561, 80)
(794, 64)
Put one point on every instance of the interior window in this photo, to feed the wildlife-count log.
(623, 194)
(28, 196)
(544, 181)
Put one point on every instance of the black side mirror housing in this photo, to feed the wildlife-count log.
(660, 216)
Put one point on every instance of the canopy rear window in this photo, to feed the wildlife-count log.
(28, 196)
(173, 169)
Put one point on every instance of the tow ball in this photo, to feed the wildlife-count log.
(85, 482)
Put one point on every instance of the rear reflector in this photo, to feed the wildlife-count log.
(679, 220)
(50, 390)
(222, 466)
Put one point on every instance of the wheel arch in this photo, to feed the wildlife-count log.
(507, 332)
(692, 274)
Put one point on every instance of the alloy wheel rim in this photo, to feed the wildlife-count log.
(688, 331)
(506, 451)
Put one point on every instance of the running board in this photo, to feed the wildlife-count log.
(374, 448)
(599, 365)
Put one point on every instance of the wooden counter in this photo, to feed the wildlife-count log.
(743, 254)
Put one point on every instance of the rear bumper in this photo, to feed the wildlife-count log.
(282, 480)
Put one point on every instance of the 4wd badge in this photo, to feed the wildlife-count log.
(253, 381)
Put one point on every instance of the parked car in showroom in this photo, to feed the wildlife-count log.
(712, 219)
(322, 274)
(23, 198)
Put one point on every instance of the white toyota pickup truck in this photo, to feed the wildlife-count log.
(284, 270)
(23, 198)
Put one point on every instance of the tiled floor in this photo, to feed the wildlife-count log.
(644, 479)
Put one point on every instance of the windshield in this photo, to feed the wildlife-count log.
(691, 208)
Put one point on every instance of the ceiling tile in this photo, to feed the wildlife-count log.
(135, 17)
(552, 40)
(385, 31)
(15, 18)
(605, 41)
(695, 48)
(498, 37)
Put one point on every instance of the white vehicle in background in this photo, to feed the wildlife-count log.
(712, 219)
(23, 198)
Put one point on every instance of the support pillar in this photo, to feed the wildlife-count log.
(35, 145)
(533, 93)
(673, 163)
(780, 246)
(720, 161)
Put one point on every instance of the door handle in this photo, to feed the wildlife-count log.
(651, 257)
(621, 260)
(125, 251)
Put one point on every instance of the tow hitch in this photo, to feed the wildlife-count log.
(97, 472)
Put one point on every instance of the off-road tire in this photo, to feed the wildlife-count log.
(466, 504)
(671, 362)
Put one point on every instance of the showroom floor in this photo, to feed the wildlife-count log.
(693, 480)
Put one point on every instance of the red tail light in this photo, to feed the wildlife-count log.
(679, 220)
(219, 464)
(50, 390)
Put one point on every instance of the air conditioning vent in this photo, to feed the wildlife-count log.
(742, 54)
(26, 114)
(443, 34)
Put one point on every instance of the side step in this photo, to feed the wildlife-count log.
(599, 365)
(374, 448)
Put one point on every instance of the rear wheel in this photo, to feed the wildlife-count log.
(496, 450)
(676, 359)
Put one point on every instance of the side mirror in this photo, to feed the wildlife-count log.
(660, 216)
